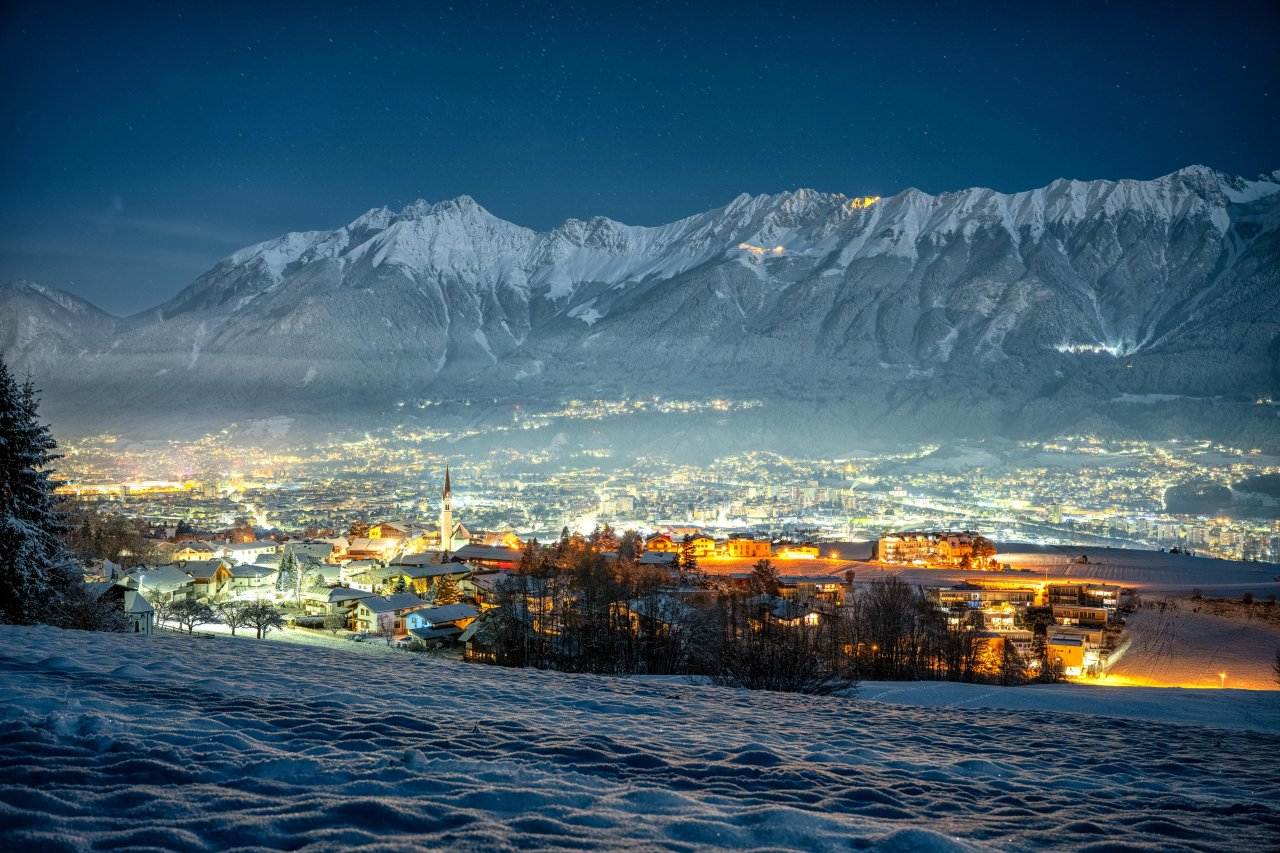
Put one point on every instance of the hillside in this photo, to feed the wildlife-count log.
(1147, 306)
(112, 741)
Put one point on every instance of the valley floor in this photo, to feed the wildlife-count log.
(118, 741)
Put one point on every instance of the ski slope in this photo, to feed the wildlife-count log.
(114, 741)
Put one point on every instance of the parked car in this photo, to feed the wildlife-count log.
(358, 638)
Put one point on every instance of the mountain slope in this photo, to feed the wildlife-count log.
(43, 329)
(963, 311)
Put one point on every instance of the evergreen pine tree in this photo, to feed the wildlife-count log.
(38, 580)
(287, 575)
(447, 590)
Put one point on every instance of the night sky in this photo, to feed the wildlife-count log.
(142, 143)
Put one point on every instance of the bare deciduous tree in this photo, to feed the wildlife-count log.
(264, 616)
(189, 613)
(233, 613)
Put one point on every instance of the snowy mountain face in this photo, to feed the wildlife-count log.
(43, 329)
(960, 311)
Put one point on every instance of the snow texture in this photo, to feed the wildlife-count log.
(208, 743)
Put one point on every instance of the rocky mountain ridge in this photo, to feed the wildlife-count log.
(960, 312)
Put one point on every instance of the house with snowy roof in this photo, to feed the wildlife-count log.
(379, 613)
(244, 581)
(194, 550)
(440, 624)
(419, 579)
(487, 556)
(138, 612)
(360, 574)
(202, 573)
(309, 551)
(163, 583)
(660, 613)
(338, 600)
(365, 548)
(395, 529)
(248, 552)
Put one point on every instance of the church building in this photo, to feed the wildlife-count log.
(452, 534)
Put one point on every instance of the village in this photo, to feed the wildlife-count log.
(443, 589)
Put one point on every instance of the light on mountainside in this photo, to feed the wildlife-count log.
(761, 251)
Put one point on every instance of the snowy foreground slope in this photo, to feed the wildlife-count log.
(167, 742)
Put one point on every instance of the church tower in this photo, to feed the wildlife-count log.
(446, 514)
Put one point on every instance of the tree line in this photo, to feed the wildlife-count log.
(569, 607)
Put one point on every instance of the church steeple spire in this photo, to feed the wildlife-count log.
(446, 513)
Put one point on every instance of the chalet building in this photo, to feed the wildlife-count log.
(499, 539)
(787, 611)
(1076, 614)
(248, 552)
(660, 559)
(660, 613)
(192, 551)
(397, 530)
(702, 546)
(202, 575)
(440, 624)
(483, 588)
(825, 588)
(163, 583)
(927, 547)
(1090, 594)
(479, 641)
(418, 579)
(312, 551)
(487, 557)
(746, 548)
(379, 613)
(339, 600)
(366, 548)
(661, 543)
(338, 548)
(1093, 635)
(1023, 640)
(422, 558)
(360, 574)
(244, 581)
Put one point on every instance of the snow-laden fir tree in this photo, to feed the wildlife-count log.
(287, 576)
(38, 581)
(447, 590)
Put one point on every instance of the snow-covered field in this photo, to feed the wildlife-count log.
(115, 741)
(1151, 572)
(1182, 647)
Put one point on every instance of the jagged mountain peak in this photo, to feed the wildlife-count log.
(973, 289)
(463, 205)
(22, 287)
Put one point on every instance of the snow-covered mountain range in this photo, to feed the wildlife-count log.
(958, 312)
